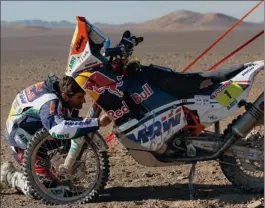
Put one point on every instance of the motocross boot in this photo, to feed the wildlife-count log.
(11, 178)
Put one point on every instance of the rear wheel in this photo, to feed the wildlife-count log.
(246, 175)
(89, 177)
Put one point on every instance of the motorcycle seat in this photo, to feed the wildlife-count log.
(183, 85)
(223, 74)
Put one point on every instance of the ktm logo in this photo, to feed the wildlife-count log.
(79, 43)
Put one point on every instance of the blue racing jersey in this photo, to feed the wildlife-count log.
(39, 106)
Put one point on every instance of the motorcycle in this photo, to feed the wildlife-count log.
(160, 116)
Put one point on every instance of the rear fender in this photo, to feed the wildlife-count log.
(248, 75)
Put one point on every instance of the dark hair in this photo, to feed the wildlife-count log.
(68, 85)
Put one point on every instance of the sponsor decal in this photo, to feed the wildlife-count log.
(78, 123)
(120, 112)
(98, 82)
(225, 95)
(72, 62)
(220, 89)
(38, 86)
(79, 43)
(52, 107)
(84, 55)
(206, 83)
(60, 136)
(231, 104)
(245, 72)
(29, 93)
(23, 97)
(91, 63)
(15, 104)
(147, 92)
(202, 99)
(23, 138)
(213, 117)
(19, 110)
(158, 128)
(183, 101)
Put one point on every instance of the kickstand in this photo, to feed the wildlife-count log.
(191, 175)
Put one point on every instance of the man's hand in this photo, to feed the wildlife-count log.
(104, 120)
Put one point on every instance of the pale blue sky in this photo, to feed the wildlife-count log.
(116, 12)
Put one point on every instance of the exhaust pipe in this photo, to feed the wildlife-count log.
(250, 118)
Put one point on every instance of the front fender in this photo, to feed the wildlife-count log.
(99, 141)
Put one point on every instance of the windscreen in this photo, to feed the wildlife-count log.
(79, 48)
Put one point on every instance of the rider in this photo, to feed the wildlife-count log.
(49, 104)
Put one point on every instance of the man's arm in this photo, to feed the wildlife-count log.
(59, 126)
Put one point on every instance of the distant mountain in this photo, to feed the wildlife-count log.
(188, 20)
(105, 25)
(53, 24)
(178, 20)
(38, 23)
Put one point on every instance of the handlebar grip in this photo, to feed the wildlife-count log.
(113, 51)
(126, 34)
(140, 39)
(137, 40)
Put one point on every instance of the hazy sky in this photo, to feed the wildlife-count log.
(117, 12)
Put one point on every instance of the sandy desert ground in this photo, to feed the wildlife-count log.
(28, 56)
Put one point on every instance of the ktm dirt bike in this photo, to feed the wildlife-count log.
(161, 117)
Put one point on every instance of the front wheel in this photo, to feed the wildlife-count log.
(246, 175)
(42, 158)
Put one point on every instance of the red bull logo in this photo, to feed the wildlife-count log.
(114, 115)
(98, 82)
(144, 95)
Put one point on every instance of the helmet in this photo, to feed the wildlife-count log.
(85, 48)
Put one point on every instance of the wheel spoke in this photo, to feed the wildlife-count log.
(88, 177)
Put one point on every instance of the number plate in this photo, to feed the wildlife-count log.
(227, 93)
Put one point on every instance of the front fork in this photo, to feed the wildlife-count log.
(76, 149)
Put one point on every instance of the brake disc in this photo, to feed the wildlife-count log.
(253, 140)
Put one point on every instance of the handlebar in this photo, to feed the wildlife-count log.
(125, 47)
(117, 51)
(138, 40)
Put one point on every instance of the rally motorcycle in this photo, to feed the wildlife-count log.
(160, 116)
